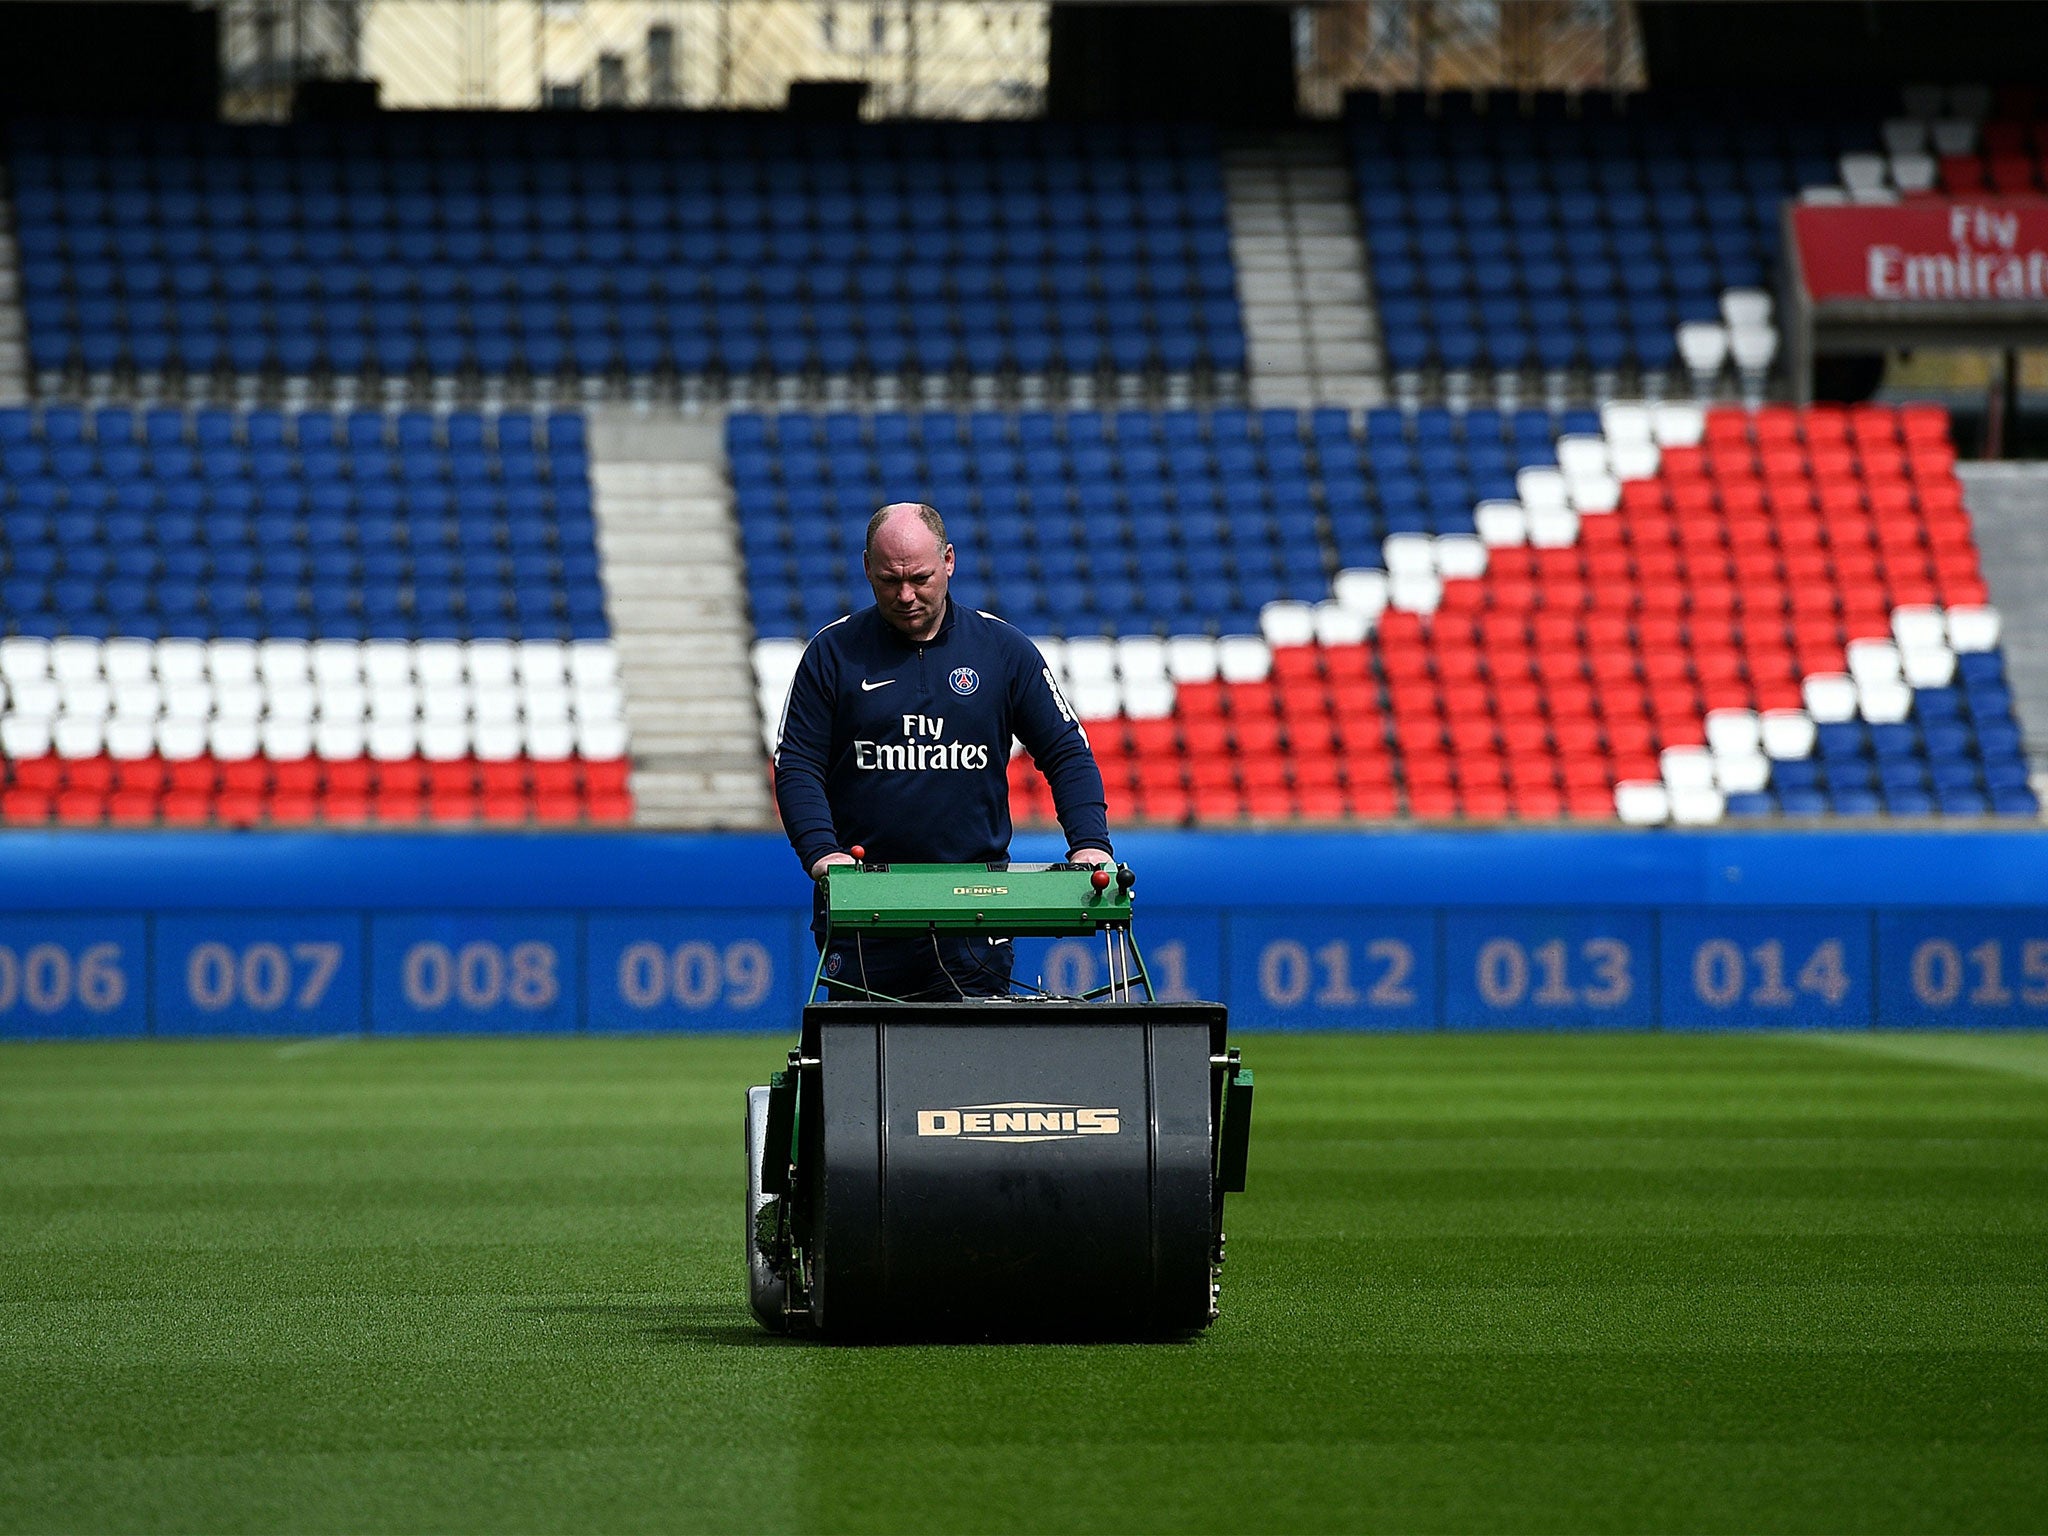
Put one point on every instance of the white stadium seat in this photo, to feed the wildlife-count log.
(1501, 524)
(443, 740)
(286, 740)
(1191, 659)
(1243, 659)
(599, 739)
(490, 663)
(1288, 623)
(1362, 590)
(338, 737)
(1415, 591)
(550, 741)
(75, 736)
(1697, 806)
(24, 736)
(1339, 625)
(1830, 697)
(387, 664)
(1641, 803)
(497, 741)
(130, 737)
(233, 740)
(1973, 629)
(1678, 425)
(1686, 767)
(1733, 732)
(1460, 557)
(1141, 657)
(231, 661)
(1744, 774)
(180, 738)
(1787, 733)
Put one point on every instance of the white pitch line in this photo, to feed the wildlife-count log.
(2016, 1055)
(313, 1047)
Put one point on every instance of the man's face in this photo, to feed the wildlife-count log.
(909, 569)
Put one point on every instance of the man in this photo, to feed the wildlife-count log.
(896, 740)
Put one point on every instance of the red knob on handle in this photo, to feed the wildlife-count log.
(858, 852)
(1100, 879)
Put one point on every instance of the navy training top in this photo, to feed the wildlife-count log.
(904, 748)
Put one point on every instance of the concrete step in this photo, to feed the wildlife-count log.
(671, 608)
(1347, 325)
(684, 548)
(712, 645)
(1318, 219)
(637, 509)
(1346, 356)
(657, 480)
(1334, 287)
(691, 689)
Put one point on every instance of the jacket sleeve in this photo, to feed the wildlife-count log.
(1045, 722)
(802, 753)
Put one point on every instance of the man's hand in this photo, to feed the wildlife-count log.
(818, 869)
(1088, 856)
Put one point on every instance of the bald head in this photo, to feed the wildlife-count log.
(902, 520)
(909, 563)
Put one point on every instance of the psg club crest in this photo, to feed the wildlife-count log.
(834, 963)
(964, 680)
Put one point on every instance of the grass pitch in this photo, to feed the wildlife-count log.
(1479, 1283)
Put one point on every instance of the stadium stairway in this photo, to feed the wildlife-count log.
(2005, 502)
(673, 579)
(1309, 328)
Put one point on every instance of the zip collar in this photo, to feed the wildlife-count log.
(945, 627)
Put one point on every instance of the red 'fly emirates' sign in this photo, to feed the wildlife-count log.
(1984, 251)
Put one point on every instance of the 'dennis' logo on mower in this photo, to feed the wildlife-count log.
(1019, 1122)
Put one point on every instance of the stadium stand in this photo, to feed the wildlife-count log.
(1508, 241)
(261, 616)
(448, 247)
(1133, 523)
(1674, 614)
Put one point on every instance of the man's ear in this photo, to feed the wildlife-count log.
(949, 559)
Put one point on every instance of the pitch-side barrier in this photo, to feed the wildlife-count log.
(309, 933)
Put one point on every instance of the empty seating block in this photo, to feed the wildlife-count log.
(1756, 606)
(2006, 155)
(1507, 241)
(499, 244)
(256, 617)
(1134, 523)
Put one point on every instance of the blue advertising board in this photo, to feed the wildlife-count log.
(323, 933)
(259, 973)
(1531, 968)
(1780, 969)
(476, 972)
(74, 975)
(1963, 969)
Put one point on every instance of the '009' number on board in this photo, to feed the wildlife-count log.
(696, 975)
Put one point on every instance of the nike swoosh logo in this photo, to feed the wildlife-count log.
(868, 687)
